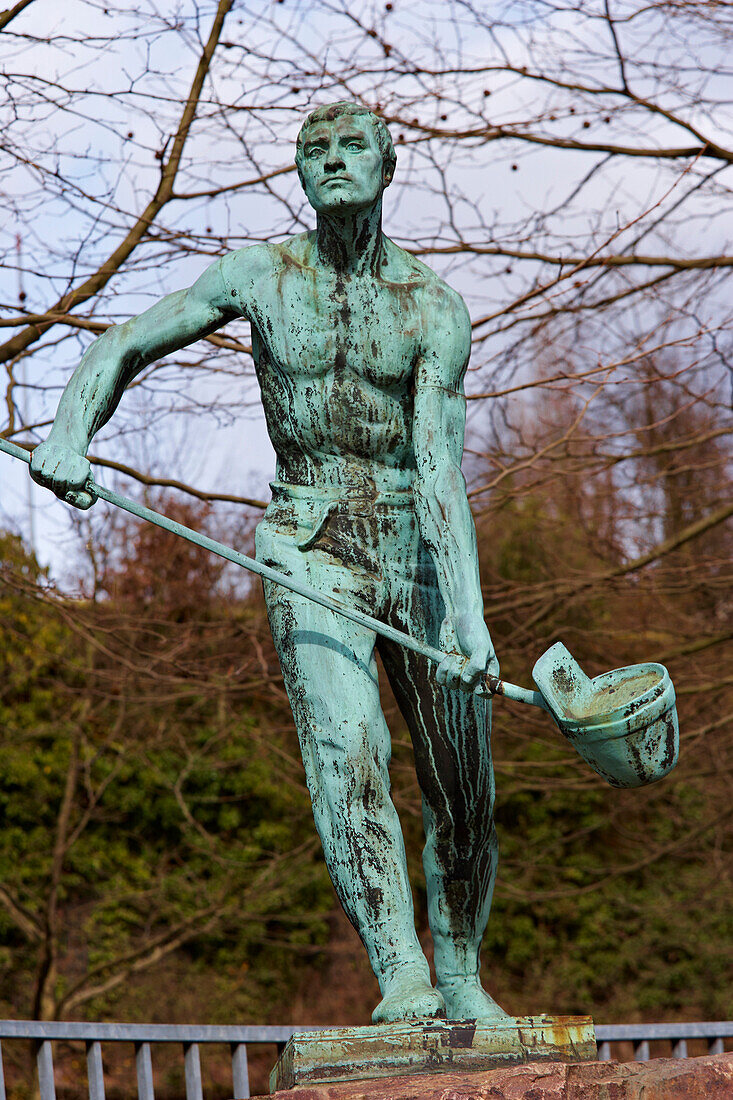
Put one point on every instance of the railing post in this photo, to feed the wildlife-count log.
(95, 1070)
(604, 1052)
(641, 1051)
(44, 1061)
(2, 1075)
(144, 1065)
(715, 1046)
(679, 1049)
(240, 1071)
(192, 1063)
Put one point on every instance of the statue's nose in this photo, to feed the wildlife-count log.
(334, 161)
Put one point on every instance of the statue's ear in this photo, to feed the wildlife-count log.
(387, 175)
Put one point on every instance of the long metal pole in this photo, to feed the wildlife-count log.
(491, 684)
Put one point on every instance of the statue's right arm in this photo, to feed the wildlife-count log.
(110, 364)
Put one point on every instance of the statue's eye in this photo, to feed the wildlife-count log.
(355, 146)
(314, 151)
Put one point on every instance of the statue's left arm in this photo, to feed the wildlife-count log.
(443, 511)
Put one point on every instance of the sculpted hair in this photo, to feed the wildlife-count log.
(344, 107)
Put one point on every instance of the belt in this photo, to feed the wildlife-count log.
(357, 494)
(348, 499)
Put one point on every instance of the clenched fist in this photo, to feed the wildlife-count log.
(469, 653)
(64, 471)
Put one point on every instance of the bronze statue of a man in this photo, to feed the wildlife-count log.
(360, 353)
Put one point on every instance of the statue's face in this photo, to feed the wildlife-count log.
(342, 169)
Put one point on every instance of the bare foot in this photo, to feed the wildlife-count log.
(466, 999)
(409, 996)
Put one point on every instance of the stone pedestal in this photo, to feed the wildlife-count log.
(709, 1078)
(437, 1046)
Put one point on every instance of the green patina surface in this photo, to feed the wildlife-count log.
(360, 352)
(398, 1050)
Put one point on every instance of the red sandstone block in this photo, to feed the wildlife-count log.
(709, 1078)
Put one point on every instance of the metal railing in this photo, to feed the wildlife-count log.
(641, 1035)
(189, 1037)
(238, 1039)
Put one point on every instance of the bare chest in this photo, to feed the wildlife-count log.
(313, 327)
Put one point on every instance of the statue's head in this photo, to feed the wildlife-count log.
(345, 158)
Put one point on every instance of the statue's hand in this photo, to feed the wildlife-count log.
(64, 471)
(469, 652)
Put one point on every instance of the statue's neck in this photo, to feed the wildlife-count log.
(353, 243)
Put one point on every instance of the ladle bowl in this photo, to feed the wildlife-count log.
(623, 723)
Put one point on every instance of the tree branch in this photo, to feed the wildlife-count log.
(138, 961)
(10, 13)
(27, 924)
(163, 194)
(700, 263)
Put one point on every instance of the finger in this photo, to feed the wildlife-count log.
(51, 471)
(80, 498)
(449, 670)
(71, 477)
(41, 470)
(471, 673)
(478, 663)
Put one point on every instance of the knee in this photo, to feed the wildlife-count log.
(463, 822)
(345, 777)
(349, 763)
(338, 747)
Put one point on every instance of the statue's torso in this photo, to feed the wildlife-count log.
(335, 359)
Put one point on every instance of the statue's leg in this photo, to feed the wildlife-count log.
(331, 677)
(450, 732)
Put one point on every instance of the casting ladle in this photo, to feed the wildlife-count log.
(623, 723)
